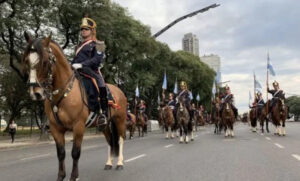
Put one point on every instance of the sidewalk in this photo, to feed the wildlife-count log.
(34, 141)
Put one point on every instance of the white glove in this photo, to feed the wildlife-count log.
(77, 66)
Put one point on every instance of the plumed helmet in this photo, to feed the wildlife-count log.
(258, 94)
(227, 87)
(88, 23)
(275, 83)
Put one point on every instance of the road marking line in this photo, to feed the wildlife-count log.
(296, 156)
(134, 158)
(268, 138)
(168, 146)
(278, 145)
(261, 134)
(37, 156)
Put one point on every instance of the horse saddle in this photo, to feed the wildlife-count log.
(93, 92)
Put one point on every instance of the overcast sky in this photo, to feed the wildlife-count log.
(241, 32)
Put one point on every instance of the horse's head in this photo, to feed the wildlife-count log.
(37, 66)
(227, 106)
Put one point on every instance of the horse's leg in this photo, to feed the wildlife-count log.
(267, 124)
(180, 134)
(108, 164)
(186, 132)
(231, 127)
(59, 137)
(283, 128)
(167, 131)
(78, 132)
(279, 128)
(139, 128)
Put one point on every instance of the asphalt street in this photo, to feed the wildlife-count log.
(246, 157)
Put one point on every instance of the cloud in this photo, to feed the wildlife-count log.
(240, 32)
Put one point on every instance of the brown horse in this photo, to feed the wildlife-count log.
(198, 119)
(141, 123)
(160, 117)
(130, 125)
(253, 119)
(168, 121)
(279, 115)
(262, 118)
(51, 79)
(245, 118)
(216, 118)
(228, 119)
(183, 118)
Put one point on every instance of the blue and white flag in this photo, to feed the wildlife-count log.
(191, 96)
(137, 92)
(164, 86)
(250, 96)
(270, 67)
(218, 77)
(175, 88)
(214, 89)
(158, 99)
(257, 84)
(198, 97)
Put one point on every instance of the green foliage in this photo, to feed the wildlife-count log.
(294, 104)
(133, 56)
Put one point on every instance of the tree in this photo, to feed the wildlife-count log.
(294, 106)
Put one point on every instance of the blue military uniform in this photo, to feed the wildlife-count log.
(229, 99)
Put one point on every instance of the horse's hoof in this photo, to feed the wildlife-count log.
(119, 167)
(108, 167)
(192, 139)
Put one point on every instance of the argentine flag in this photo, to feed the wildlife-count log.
(198, 97)
(191, 96)
(137, 92)
(175, 88)
(270, 67)
(164, 86)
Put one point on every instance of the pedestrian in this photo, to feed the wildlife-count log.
(12, 130)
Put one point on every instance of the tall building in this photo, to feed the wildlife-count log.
(214, 62)
(190, 43)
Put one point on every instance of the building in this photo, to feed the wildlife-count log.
(214, 62)
(190, 43)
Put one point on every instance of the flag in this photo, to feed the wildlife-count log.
(257, 84)
(270, 67)
(198, 97)
(164, 86)
(218, 77)
(214, 89)
(175, 88)
(250, 96)
(158, 99)
(137, 92)
(191, 96)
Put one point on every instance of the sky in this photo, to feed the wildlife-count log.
(241, 32)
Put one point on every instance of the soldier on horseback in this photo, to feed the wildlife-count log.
(185, 94)
(142, 108)
(228, 97)
(259, 102)
(172, 103)
(88, 56)
(276, 93)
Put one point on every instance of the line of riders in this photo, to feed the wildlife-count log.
(90, 53)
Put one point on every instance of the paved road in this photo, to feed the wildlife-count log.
(247, 157)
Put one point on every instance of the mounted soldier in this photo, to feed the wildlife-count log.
(172, 103)
(228, 97)
(276, 93)
(88, 56)
(185, 94)
(260, 103)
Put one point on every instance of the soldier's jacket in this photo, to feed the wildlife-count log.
(88, 56)
(279, 93)
(185, 95)
(172, 104)
(259, 102)
(227, 98)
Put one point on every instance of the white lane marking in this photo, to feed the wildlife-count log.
(34, 157)
(261, 134)
(279, 145)
(168, 146)
(268, 138)
(134, 158)
(296, 156)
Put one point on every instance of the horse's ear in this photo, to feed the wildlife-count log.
(47, 40)
(27, 37)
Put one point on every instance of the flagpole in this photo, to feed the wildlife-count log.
(267, 82)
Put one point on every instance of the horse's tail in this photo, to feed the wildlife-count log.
(114, 139)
